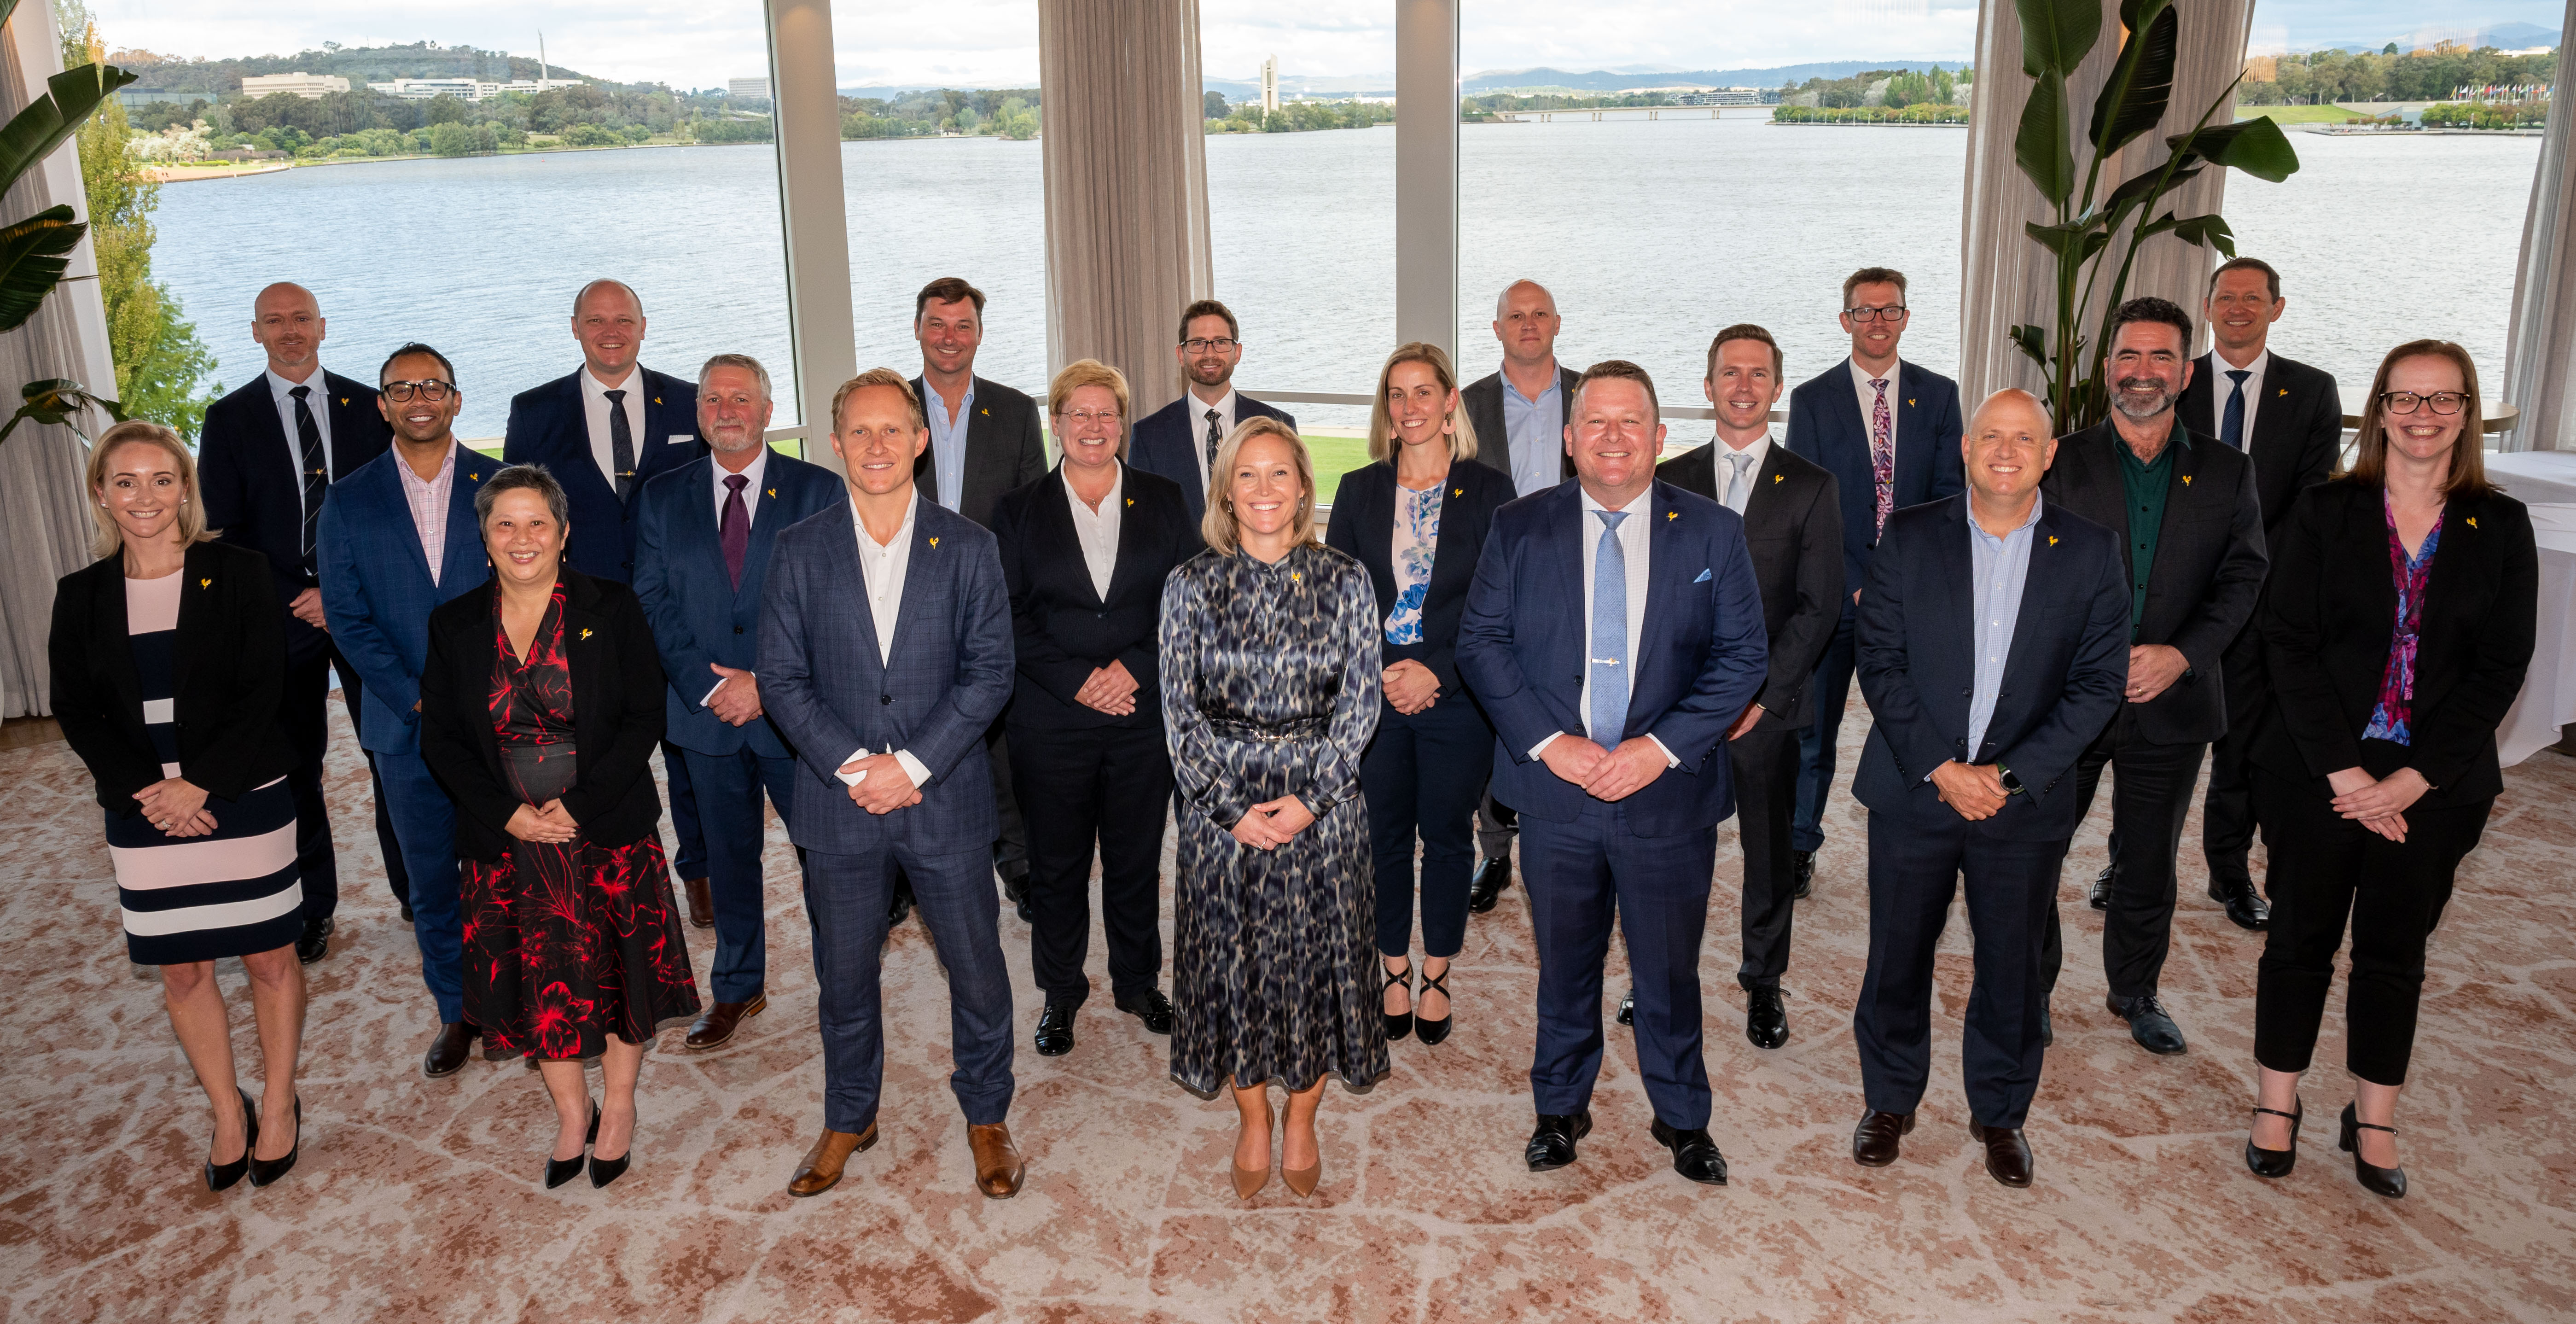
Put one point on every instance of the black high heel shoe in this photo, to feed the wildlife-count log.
(606, 1170)
(2390, 1182)
(263, 1171)
(2276, 1163)
(221, 1176)
(1397, 1027)
(1431, 1031)
(561, 1170)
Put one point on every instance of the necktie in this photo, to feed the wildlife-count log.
(2231, 427)
(1215, 438)
(733, 531)
(1606, 683)
(1882, 453)
(317, 475)
(621, 445)
(1739, 483)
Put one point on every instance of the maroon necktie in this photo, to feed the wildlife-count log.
(734, 529)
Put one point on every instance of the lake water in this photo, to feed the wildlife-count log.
(1652, 234)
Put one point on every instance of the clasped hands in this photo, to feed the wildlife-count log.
(883, 786)
(1410, 686)
(1974, 790)
(2378, 802)
(1605, 774)
(1110, 689)
(549, 823)
(1269, 824)
(176, 806)
(737, 696)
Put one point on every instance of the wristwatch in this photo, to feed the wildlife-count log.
(2012, 784)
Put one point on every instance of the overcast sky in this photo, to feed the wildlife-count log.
(701, 43)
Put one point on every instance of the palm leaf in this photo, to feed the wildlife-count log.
(34, 253)
(2043, 145)
(2134, 98)
(2056, 35)
(33, 134)
(2256, 146)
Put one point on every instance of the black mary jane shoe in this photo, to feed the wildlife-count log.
(1426, 1029)
(1397, 1027)
(2276, 1163)
(2390, 1182)
(221, 1176)
(561, 1170)
(264, 1171)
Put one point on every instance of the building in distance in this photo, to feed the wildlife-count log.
(463, 89)
(311, 87)
(748, 89)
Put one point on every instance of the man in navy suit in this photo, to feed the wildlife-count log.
(266, 458)
(1994, 644)
(604, 430)
(1888, 431)
(885, 654)
(1614, 633)
(703, 534)
(398, 537)
(1179, 441)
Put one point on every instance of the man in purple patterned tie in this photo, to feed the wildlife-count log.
(702, 540)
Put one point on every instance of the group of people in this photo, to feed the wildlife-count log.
(952, 664)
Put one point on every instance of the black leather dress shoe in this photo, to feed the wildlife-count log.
(1551, 1146)
(1152, 1008)
(2007, 1154)
(1493, 874)
(1055, 1030)
(899, 903)
(447, 1052)
(1878, 1138)
(2246, 908)
(2047, 1029)
(406, 913)
(1628, 1008)
(2154, 1030)
(1694, 1155)
(1802, 872)
(315, 942)
(1016, 891)
(2100, 897)
(1766, 1022)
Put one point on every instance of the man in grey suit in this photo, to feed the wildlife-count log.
(885, 654)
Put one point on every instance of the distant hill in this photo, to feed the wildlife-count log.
(2517, 36)
(1582, 80)
(375, 64)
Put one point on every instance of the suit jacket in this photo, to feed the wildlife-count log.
(947, 678)
(1483, 399)
(376, 590)
(2328, 617)
(1062, 628)
(549, 426)
(1005, 448)
(2298, 429)
(252, 483)
(699, 616)
(230, 662)
(1793, 526)
(2208, 571)
(1825, 425)
(1165, 441)
(2062, 679)
(1701, 655)
(616, 723)
(1363, 528)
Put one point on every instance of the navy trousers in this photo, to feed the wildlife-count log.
(846, 897)
(1914, 870)
(425, 825)
(729, 788)
(1423, 775)
(1832, 689)
(1581, 877)
(691, 862)
(1765, 764)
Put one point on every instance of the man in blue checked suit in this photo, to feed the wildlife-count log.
(885, 654)
(397, 538)
(1614, 633)
(703, 537)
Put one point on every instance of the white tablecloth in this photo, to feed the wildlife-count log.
(2548, 699)
(2535, 477)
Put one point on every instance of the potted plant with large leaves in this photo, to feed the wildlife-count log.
(35, 252)
(2057, 35)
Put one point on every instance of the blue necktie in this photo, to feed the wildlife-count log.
(1607, 682)
(2231, 426)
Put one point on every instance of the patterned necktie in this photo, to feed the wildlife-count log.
(1739, 482)
(1215, 439)
(621, 445)
(2231, 427)
(1606, 683)
(1882, 453)
(734, 530)
(317, 475)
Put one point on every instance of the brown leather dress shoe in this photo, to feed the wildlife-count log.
(820, 1169)
(998, 1169)
(716, 1024)
(1876, 1140)
(447, 1052)
(2007, 1154)
(702, 905)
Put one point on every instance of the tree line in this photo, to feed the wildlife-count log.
(2319, 77)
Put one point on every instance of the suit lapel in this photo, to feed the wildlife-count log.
(464, 536)
(764, 527)
(842, 568)
(1057, 517)
(1130, 544)
(2038, 582)
(916, 578)
(1957, 581)
(114, 628)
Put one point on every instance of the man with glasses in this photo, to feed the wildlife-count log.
(2288, 418)
(1179, 440)
(1888, 431)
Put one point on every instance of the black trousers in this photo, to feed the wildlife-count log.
(1108, 785)
(2325, 869)
(2227, 809)
(2151, 787)
(1011, 849)
(1765, 763)
(1422, 775)
(303, 710)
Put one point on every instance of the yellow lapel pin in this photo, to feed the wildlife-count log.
(1671, 515)
(2186, 480)
(2473, 521)
(985, 412)
(2052, 540)
(474, 478)
(1909, 402)
(344, 399)
(657, 399)
(208, 583)
(585, 632)
(2285, 390)
(934, 542)
(773, 491)
(1457, 491)
(1131, 501)
(1778, 477)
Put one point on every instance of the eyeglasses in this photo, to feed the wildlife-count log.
(1894, 312)
(1087, 417)
(1222, 344)
(432, 390)
(2407, 402)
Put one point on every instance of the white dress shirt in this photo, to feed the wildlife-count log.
(1097, 530)
(1226, 409)
(883, 568)
(1759, 448)
(318, 400)
(2221, 386)
(758, 467)
(594, 408)
(1636, 546)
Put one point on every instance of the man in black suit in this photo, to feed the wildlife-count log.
(266, 457)
(1519, 412)
(1793, 525)
(1993, 648)
(2288, 417)
(2192, 546)
(1179, 441)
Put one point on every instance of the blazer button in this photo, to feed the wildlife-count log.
(737, 629)
(885, 698)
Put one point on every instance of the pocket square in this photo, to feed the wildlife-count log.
(682, 438)
(1703, 578)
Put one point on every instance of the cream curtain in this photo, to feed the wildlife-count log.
(2541, 346)
(1126, 185)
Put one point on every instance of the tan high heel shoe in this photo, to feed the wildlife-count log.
(1249, 1181)
(1301, 1181)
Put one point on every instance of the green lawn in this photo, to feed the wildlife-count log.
(2299, 114)
(1334, 456)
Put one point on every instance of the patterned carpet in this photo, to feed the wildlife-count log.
(420, 1200)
